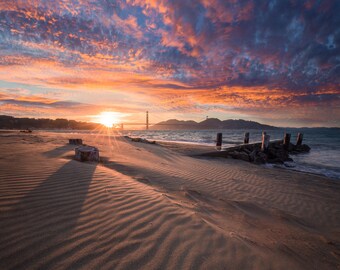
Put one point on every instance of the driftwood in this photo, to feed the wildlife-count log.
(26, 131)
(141, 140)
(75, 141)
(86, 153)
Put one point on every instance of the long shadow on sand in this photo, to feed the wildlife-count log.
(59, 151)
(146, 176)
(46, 216)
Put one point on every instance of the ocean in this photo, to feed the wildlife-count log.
(323, 159)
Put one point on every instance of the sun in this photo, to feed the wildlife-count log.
(108, 119)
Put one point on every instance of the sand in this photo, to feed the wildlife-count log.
(156, 207)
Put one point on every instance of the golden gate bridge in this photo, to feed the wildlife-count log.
(147, 124)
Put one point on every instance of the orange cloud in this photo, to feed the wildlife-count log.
(187, 56)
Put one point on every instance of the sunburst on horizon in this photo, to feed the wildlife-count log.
(108, 119)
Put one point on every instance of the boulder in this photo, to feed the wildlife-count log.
(239, 155)
(278, 154)
(243, 156)
(260, 158)
(297, 149)
(246, 150)
(253, 155)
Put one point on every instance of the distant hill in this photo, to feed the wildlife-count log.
(9, 122)
(210, 123)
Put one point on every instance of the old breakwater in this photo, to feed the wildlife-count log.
(277, 151)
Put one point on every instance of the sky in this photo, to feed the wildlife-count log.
(275, 62)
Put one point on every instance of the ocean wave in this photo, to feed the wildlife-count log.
(333, 173)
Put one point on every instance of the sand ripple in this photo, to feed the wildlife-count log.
(164, 211)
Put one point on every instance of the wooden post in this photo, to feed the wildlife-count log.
(286, 141)
(219, 141)
(246, 138)
(265, 143)
(299, 139)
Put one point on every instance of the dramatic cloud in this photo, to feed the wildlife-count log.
(246, 56)
(19, 102)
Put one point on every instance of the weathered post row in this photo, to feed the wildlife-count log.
(275, 151)
(265, 140)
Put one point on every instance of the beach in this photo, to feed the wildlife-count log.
(157, 206)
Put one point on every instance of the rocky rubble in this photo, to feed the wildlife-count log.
(276, 152)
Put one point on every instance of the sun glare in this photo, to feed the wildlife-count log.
(108, 119)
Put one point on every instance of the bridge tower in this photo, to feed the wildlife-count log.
(147, 120)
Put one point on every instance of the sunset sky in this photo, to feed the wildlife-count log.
(276, 62)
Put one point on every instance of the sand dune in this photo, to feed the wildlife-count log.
(151, 207)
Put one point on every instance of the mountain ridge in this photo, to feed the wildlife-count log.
(210, 123)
